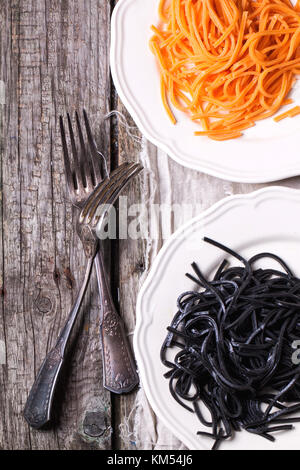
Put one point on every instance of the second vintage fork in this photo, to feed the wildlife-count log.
(83, 173)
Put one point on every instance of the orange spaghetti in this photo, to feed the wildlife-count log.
(227, 63)
(290, 113)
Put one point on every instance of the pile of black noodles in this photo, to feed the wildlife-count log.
(235, 342)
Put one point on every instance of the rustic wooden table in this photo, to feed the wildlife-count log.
(54, 58)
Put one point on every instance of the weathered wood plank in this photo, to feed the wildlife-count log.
(54, 58)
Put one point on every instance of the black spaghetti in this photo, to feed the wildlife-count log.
(233, 342)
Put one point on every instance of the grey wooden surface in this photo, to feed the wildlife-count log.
(54, 58)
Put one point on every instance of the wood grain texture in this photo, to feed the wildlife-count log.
(54, 58)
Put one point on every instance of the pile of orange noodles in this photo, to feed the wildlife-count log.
(227, 63)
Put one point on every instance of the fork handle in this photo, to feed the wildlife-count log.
(119, 368)
(37, 410)
(38, 407)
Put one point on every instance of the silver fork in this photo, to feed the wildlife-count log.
(118, 360)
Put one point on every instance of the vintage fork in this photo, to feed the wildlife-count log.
(38, 407)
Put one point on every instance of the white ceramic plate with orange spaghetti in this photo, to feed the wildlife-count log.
(266, 152)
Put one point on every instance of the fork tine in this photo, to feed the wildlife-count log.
(113, 191)
(68, 171)
(98, 160)
(88, 172)
(102, 187)
(110, 194)
(113, 195)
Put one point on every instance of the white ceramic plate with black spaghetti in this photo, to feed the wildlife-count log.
(263, 221)
(266, 152)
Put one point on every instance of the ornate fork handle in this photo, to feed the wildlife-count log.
(119, 369)
(38, 407)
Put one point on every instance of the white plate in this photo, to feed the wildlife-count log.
(266, 220)
(267, 152)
